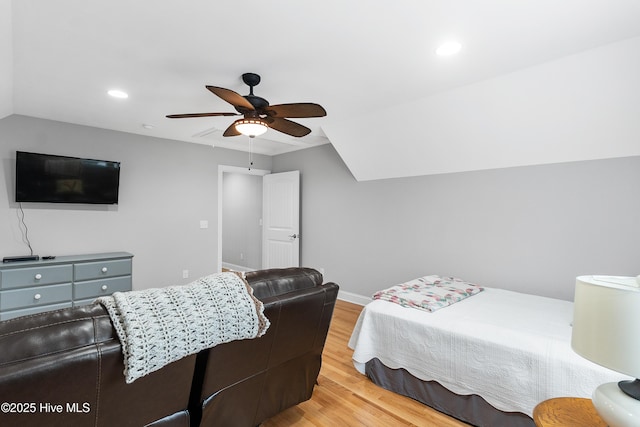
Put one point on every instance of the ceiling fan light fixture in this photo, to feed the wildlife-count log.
(251, 127)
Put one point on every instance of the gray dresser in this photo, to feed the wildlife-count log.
(34, 286)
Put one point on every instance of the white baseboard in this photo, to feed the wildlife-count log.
(353, 298)
(236, 267)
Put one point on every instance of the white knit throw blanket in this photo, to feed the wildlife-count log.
(159, 326)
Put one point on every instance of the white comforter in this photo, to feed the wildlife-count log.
(512, 349)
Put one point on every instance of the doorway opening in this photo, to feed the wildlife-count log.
(239, 218)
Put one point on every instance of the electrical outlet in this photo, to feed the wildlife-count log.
(185, 274)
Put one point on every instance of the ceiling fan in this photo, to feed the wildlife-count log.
(258, 114)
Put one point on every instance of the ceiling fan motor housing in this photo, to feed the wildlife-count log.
(257, 102)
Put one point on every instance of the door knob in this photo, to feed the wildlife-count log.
(294, 236)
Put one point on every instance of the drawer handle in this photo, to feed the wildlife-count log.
(104, 269)
(37, 297)
(104, 287)
(38, 276)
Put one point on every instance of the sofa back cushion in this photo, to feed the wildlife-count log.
(278, 281)
(68, 366)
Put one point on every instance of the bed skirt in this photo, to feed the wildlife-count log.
(471, 409)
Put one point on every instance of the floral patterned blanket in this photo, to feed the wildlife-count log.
(429, 293)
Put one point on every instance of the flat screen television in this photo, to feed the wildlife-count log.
(61, 179)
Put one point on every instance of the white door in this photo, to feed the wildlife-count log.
(281, 220)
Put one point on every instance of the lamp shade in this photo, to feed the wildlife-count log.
(606, 322)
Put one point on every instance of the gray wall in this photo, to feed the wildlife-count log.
(166, 188)
(241, 215)
(530, 229)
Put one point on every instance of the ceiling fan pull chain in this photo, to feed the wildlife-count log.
(250, 152)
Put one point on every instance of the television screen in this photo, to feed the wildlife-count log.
(61, 179)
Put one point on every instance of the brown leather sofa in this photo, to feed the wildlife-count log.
(65, 367)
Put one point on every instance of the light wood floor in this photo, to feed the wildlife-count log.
(344, 397)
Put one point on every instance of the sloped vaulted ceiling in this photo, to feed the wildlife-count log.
(581, 107)
(536, 81)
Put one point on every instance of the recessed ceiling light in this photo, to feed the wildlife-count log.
(147, 126)
(118, 93)
(448, 48)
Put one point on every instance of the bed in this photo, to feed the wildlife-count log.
(487, 359)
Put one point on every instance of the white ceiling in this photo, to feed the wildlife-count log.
(371, 64)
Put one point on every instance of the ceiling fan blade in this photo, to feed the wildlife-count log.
(287, 126)
(231, 130)
(231, 97)
(185, 116)
(299, 110)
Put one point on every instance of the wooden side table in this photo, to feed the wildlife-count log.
(567, 412)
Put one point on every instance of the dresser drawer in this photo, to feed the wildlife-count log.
(32, 310)
(33, 276)
(101, 287)
(100, 269)
(36, 296)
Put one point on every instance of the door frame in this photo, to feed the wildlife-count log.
(232, 169)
